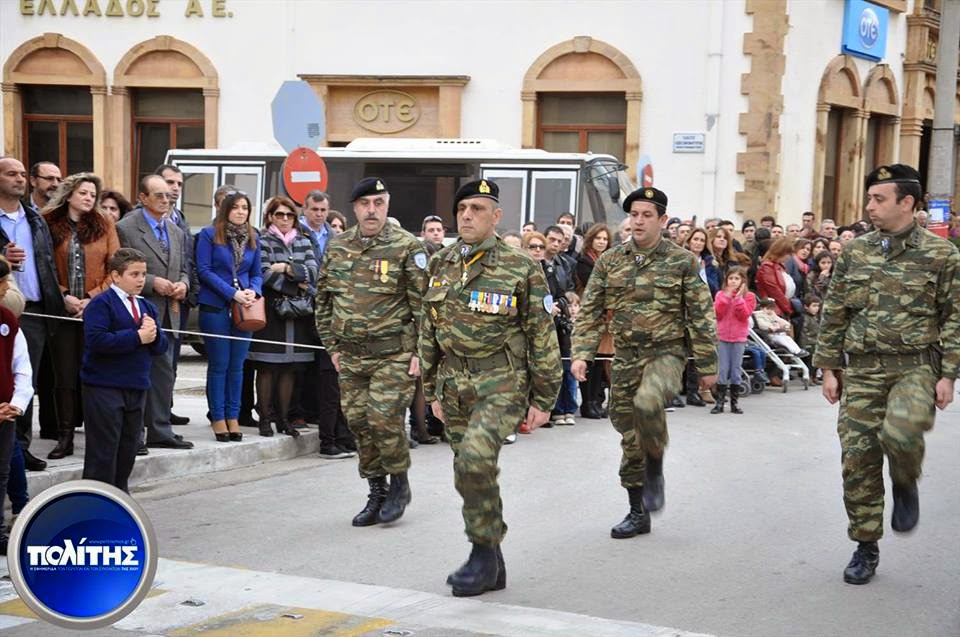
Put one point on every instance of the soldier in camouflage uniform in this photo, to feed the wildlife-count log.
(490, 358)
(659, 308)
(893, 311)
(368, 306)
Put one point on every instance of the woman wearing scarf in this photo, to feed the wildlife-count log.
(228, 265)
(83, 244)
(289, 270)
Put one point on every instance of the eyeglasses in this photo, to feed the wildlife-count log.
(53, 178)
(536, 246)
(288, 215)
(430, 218)
(231, 193)
(160, 195)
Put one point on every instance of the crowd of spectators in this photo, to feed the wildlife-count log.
(284, 375)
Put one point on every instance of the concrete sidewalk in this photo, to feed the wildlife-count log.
(207, 455)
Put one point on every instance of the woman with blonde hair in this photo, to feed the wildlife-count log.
(84, 241)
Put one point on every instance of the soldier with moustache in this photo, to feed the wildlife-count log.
(490, 358)
(368, 308)
(659, 309)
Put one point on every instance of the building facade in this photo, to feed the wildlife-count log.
(736, 108)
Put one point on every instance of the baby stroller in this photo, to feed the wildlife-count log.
(789, 364)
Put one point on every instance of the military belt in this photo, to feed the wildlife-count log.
(380, 346)
(676, 346)
(498, 360)
(896, 360)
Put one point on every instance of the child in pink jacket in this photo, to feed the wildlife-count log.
(733, 304)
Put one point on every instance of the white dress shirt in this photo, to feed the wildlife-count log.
(22, 374)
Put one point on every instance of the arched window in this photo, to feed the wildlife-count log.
(840, 130)
(882, 107)
(54, 95)
(166, 96)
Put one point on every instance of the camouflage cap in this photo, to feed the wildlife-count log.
(653, 195)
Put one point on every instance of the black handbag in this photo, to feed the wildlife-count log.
(291, 307)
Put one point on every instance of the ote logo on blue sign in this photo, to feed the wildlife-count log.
(864, 30)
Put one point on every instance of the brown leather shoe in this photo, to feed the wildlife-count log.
(776, 381)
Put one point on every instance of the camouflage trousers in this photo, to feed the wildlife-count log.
(640, 388)
(881, 412)
(480, 409)
(375, 393)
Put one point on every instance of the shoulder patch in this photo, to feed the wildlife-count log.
(548, 303)
(420, 259)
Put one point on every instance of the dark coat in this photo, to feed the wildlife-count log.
(50, 294)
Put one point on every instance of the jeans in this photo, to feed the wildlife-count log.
(224, 363)
(17, 481)
(567, 400)
(731, 356)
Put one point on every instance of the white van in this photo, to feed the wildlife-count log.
(422, 175)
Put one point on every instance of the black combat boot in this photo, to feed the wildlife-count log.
(378, 493)
(906, 507)
(590, 410)
(863, 564)
(720, 395)
(653, 488)
(734, 395)
(637, 521)
(479, 574)
(693, 398)
(397, 499)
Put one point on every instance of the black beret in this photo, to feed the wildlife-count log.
(893, 174)
(749, 223)
(367, 187)
(478, 188)
(654, 196)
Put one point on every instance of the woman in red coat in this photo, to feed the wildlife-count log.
(772, 279)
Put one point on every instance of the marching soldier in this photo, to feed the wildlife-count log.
(893, 310)
(659, 307)
(368, 307)
(490, 357)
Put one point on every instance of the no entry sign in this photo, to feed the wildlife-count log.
(303, 171)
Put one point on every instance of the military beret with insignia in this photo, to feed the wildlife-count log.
(479, 188)
(367, 187)
(893, 174)
(749, 223)
(653, 195)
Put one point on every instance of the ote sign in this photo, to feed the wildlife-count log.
(298, 116)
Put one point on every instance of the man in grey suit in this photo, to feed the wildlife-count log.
(148, 230)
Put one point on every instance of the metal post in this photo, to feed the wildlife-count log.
(942, 149)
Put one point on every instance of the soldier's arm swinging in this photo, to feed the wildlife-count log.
(590, 322)
(948, 303)
(543, 350)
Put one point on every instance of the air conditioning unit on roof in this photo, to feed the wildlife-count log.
(412, 144)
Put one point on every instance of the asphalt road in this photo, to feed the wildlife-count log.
(752, 541)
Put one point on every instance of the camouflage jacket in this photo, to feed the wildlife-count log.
(370, 289)
(655, 297)
(893, 294)
(499, 305)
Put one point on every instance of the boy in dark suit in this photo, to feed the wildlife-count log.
(120, 337)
